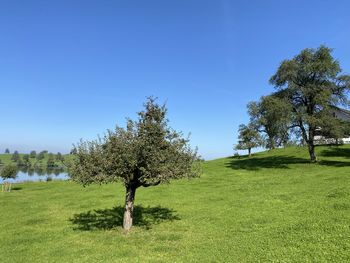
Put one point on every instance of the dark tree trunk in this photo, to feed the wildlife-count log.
(249, 152)
(311, 145)
(271, 143)
(129, 207)
(311, 148)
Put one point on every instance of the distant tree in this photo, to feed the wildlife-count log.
(147, 153)
(15, 156)
(248, 138)
(7, 151)
(50, 161)
(26, 160)
(8, 172)
(32, 154)
(40, 156)
(20, 162)
(311, 82)
(271, 115)
(59, 157)
(26, 157)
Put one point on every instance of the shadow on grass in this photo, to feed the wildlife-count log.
(334, 163)
(336, 152)
(256, 163)
(104, 219)
(16, 188)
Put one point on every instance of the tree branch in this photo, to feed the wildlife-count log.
(150, 184)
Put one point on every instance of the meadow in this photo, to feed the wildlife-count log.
(272, 207)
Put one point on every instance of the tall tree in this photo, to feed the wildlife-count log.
(7, 151)
(271, 115)
(311, 82)
(248, 138)
(146, 153)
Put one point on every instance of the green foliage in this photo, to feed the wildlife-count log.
(248, 138)
(271, 115)
(146, 153)
(32, 154)
(26, 158)
(40, 156)
(7, 151)
(311, 82)
(15, 156)
(50, 161)
(59, 157)
(8, 172)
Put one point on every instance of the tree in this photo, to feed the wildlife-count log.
(7, 151)
(8, 172)
(334, 129)
(15, 156)
(40, 156)
(311, 82)
(248, 138)
(146, 153)
(271, 115)
(26, 157)
(32, 154)
(59, 157)
(50, 161)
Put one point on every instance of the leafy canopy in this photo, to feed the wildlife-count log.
(248, 137)
(8, 172)
(270, 115)
(147, 152)
(311, 82)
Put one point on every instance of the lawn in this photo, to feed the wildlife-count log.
(273, 207)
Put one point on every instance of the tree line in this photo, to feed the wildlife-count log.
(307, 88)
(34, 159)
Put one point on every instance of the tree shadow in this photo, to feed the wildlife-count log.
(105, 219)
(257, 163)
(334, 163)
(336, 152)
(16, 188)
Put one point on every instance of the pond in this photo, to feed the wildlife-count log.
(38, 174)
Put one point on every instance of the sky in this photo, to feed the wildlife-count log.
(73, 69)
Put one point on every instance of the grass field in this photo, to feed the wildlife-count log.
(273, 207)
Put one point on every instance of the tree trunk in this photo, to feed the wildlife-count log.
(129, 207)
(311, 145)
(311, 148)
(249, 152)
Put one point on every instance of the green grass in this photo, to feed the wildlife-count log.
(273, 207)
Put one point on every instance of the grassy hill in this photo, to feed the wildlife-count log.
(275, 206)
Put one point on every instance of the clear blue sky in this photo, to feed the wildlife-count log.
(72, 69)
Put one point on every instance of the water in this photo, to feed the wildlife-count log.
(37, 175)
